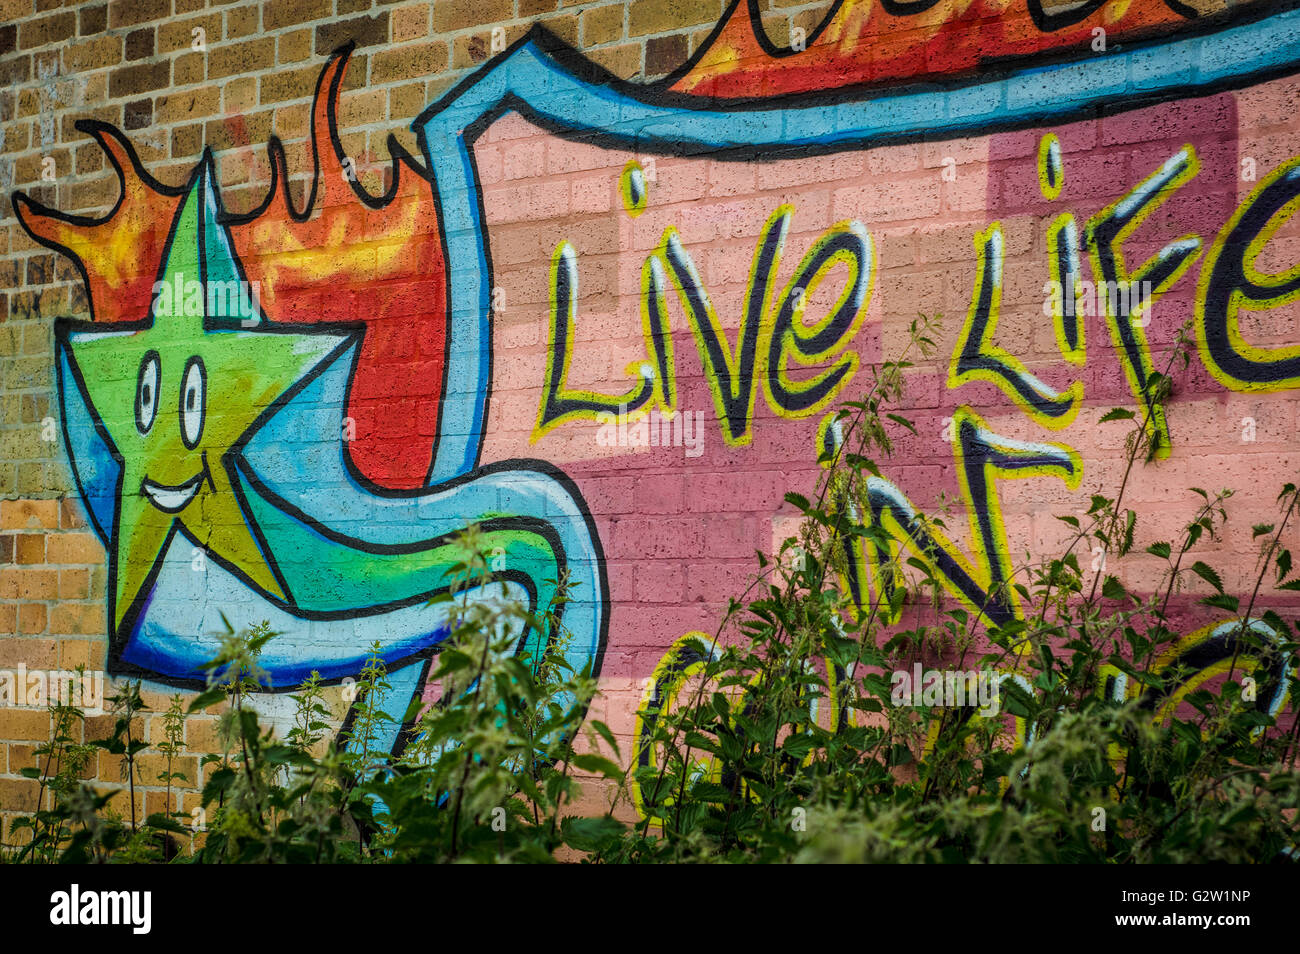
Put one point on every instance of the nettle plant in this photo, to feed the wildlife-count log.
(780, 738)
(487, 772)
(1115, 738)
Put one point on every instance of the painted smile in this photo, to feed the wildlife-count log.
(174, 498)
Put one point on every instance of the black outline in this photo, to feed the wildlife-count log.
(558, 402)
(792, 338)
(196, 481)
(101, 132)
(973, 358)
(1227, 278)
(140, 425)
(1217, 648)
(193, 361)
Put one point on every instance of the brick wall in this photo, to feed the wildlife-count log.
(666, 534)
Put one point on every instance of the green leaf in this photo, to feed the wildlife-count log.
(798, 746)
(1113, 589)
(161, 821)
(799, 500)
(1161, 550)
(1206, 573)
(589, 834)
(605, 733)
(1126, 542)
(1277, 622)
(218, 782)
(903, 421)
(1221, 601)
(1117, 414)
(204, 699)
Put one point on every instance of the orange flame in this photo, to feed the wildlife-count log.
(118, 255)
(861, 43)
(347, 258)
(351, 257)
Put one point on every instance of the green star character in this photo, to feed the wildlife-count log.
(176, 394)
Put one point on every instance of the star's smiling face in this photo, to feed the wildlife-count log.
(175, 395)
(172, 495)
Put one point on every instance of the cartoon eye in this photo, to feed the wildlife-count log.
(146, 392)
(194, 386)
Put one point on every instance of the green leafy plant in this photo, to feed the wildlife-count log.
(1116, 736)
(781, 738)
(60, 762)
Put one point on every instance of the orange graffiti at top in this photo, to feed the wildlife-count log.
(119, 254)
(861, 44)
(347, 261)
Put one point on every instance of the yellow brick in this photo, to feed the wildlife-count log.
(405, 102)
(281, 85)
(201, 735)
(74, 584)
(73, 548)
(186, 107)
(241, 21)
(29, 514)
(623, 61)
(31, 618)
(176, 35)
(602, 25)
(77, 619)
(362, 108)
(409, 62)
(450, 16)
(81, 652)
(409, 23)
(294, 47)
(291, 122)
(565, 27)
(189, 68)
(19, 794)
(239, 96)
(287, 12)
(240, 59)
(22, 756)
(33, 653)
(24, 725)
(657, 16)
(38, 584)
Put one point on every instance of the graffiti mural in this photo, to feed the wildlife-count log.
(608, 322)
(241, 415)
